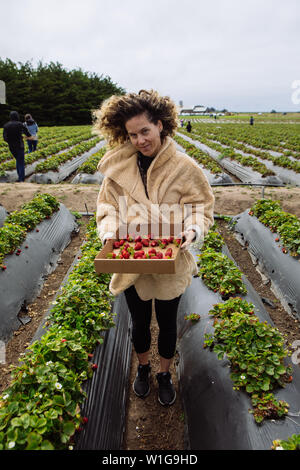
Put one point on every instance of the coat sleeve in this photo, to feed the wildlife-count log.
(198, 201)
(4, 134)
(25, 131)
(107, 212)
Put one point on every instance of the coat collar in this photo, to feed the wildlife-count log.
(120, 164)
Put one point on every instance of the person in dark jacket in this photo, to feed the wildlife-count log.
(32, 127)
(13, 132)
(189, 126)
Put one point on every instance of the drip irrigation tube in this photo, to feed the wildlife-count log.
(3, 215)
(24, 276)
(217, 417)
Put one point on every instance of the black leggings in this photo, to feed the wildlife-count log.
(166, 315)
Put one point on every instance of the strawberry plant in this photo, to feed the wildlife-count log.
(213, 240)
(90, 165)
(286, 225)
(291, 443)
(18, 223)
(52, 163)
(256, 352)
(40, 410)
(219, 273)
(193, 317)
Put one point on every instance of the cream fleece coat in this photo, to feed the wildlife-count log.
(173, 178)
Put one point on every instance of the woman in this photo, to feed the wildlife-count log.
(144, 174)
(33, 129)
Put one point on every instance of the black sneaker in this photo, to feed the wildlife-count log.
(141, 385)
(166, 391)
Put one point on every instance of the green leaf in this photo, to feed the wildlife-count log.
(69, 428)
(46, 445)
(33, 439)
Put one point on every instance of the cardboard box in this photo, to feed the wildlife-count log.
(146, 266)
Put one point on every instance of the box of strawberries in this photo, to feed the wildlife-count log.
(139, 254)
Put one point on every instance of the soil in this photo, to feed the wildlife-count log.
(149, 425)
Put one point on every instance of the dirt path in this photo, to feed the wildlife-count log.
(149, 425)
(229, 200)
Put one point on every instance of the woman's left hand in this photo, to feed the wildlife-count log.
(189, 236)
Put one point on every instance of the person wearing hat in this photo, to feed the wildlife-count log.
(13, 132)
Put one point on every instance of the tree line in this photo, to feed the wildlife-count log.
(52, 94)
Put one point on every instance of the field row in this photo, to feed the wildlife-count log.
(221, 318)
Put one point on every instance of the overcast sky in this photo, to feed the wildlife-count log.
(234, 54)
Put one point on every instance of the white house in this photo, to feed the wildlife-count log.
(198, 109)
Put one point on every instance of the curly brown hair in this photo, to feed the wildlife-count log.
(111, 117)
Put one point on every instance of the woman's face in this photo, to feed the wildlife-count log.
(144, 135)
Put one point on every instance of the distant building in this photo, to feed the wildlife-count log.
(198, 109)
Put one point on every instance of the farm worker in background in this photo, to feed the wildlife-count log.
(189, 126)
(181, 122)
(12, 134)
(251, 121)
(145, 168)
(32, 127)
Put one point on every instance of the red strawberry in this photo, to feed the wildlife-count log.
(138, 239)
(277, 239)
(125, 254)
(116, 245)
(121, 242)
(165, 241)
(171, 239)
(159, 255)
(3, 267)
(168, 252)
(138, 246)
(84, 419)
(129, 238)
(126, 245)
(145, 242)
(94, 366)
(90, 355)
(152, 251)
(154, 243)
